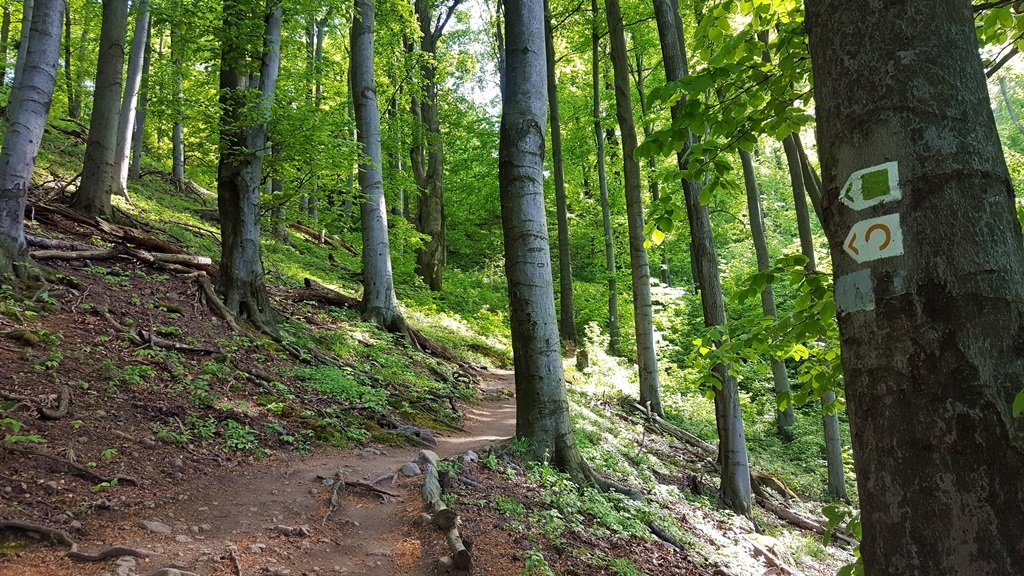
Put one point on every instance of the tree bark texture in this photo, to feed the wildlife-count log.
(99, 171)
(178, 106)
(27, 109)
(130, 100)
(25, 36)
(735, 490)
(783, 418)
(614, 334)
(380, 305)
(139, 129)
(542, 409)
(643, 312)
(239, 171)
(566, 312)
(931, 334)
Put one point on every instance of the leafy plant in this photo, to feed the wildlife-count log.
(15, 426)
(239, 436)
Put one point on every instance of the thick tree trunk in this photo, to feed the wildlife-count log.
(614, 335)
(139, 130)
(735, 491)
(25, 36)
(130, 100)
(239, 171)
(178, 107)
(829, 417)
(643, 312)
(27, 109)
(380, 305)
(74, 92)
(99, 172)
(567, 313)
(542, 410)
(5, 38)
(931, 299)
(783, 418)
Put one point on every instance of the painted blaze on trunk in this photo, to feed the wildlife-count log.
(931, 329)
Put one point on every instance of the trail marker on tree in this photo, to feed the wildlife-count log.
(875, 238)
(873, 185)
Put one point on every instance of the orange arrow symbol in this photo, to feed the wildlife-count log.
(883, 228)
(851, 245)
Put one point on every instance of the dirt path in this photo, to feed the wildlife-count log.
(224, 523)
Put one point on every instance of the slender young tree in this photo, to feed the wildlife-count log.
(735, 490)
(27, 109)
(74, 91)
(5, 38)
(139, 129)
(99, 171)
(566, 314)
(130, 99)
(643, 312)
(614, 334)
(380, 305)
(929, 278)
(783, 418)
(178, 108)
(542, 410)
(242, 142)
(652, 164)
(25, 37)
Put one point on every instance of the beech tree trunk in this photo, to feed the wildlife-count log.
(27, 109)
(25, 36)
(5, 39)
(74, 91)
(567, 313)
(930, 323)
(735, 491)
(652, 163)
(542, 410)
(783, 418)
(139, 129)
(239, 171)
(614, 334)
(178, 95)
(643, 312)
(100, 170)
(380, 305)
(130, 101)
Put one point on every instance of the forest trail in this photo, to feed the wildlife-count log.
(229, 522)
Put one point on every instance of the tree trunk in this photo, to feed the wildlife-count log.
(27, 109)
(99, 171)
(812, 182)
(602, 180)
(178, 107)
(25, 36)
(930, 323)
(643, 312)
(567, 314)
(542, 410)
(74, 92)
(5, 38)
(380, 305)
(783, 418)
(318, 56)
(80, 53)
(652, 163)
(239, 171)
(1004, 91)
(735, 491)
(129, 103)
(139, 130)
(829, 417)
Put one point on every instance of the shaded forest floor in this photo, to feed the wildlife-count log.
(126, 400)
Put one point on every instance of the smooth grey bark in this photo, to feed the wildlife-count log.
(614, 334)
(27, 109)
(812, 182)
(932, 344)
(139, 129)
(542, 409)
(100, 170)
(643, 311)
(5, 38)
(734, 491)
(783, 418)
(74, 91)
(566, 308)
(80, 71)
(25, 36)
(239, 170)
(318, 57)
(652, 163)
(130, 99)
(380, 305)
(178, 107)
(836, 486)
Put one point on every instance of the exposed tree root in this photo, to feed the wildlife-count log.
(76, 469)
(61, 537)
(62, 406)
(146, 338)
(213, 299)
(666, 537)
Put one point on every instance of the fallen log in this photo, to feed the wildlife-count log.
(771, 560)
(677, 432)
(444, 518)
(97, 254)
(323, 238)
(52, 244)
(317, 292)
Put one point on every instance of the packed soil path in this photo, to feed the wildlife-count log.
(236, 521)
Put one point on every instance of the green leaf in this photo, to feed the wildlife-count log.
(1018, 404)
(657, 236)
